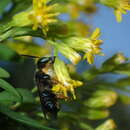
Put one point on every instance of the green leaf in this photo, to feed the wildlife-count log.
(4, 27)
(9, 88)
(112, 63)
(7, 98)
(124, 82)
(27, 96)
(20, 31)
(85, 126)
(91, 73)
(122, 69)
(23, 118)
(7, 54)
(3, 5)
(3, 73)
(124, 99)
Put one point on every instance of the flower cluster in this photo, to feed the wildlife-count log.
(88, 46)
(120, 7)
(65, 83)
(69, 48)
(42, 14)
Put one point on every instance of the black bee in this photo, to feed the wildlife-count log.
(44, 82)
(49, 103)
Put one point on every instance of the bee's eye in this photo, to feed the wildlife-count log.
(44, 60)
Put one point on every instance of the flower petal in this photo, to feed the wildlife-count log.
(118, 15)
(96, 34)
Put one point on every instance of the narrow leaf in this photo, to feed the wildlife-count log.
(21, 117)
(85, 126)
(3, 73)
(27, 96)
(8, 98)
(9, 88)
(124, 99)
(7, 54)
(20, 31)
(123, 82)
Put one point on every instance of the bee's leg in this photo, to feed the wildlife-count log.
(55, 81)
(61, 96)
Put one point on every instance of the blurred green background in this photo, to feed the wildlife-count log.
(102, 102)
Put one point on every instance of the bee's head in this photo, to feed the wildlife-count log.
(44, 61)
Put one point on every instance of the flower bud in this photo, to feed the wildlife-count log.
(93, 114)
(65, 83)
(107, 125)
(68, 52)
(89, 46)
(101, 99)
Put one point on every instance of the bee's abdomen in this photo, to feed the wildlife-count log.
(48, 99)
(49, 103)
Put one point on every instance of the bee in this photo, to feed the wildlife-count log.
(44, 82)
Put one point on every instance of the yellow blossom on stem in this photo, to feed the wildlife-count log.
(42, 14)
(67, 51)
(65, 83)
(107, 125)
(89, 46)
(120, 7)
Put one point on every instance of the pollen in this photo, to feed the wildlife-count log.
(65, 84)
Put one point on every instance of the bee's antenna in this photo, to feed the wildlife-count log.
(30, 56)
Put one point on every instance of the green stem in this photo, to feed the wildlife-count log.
(34, 90)
(5, 27)
(55, 51)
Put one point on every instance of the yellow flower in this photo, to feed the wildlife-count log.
(65, 83)
(120, 7)
(42, 14)
(89, 46)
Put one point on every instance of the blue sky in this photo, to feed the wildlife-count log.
(116, 36)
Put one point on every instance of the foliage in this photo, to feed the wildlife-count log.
(94, 91)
